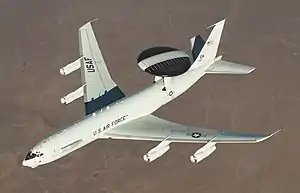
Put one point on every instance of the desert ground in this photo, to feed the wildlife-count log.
(39, 37)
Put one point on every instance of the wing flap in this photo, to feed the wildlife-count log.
(224, 67)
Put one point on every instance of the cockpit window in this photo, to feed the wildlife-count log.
(30, 155)
(39, 155)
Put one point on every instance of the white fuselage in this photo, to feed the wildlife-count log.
(93, 126)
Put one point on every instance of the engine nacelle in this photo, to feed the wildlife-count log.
(155, 153)
(202, 153)
(70, 67)
(72, 96)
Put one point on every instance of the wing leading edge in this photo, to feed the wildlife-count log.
(152, 128)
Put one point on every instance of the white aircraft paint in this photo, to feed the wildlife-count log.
(104, 122)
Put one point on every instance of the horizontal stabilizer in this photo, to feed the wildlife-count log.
(224, 67)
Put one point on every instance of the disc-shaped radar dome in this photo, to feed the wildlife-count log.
(164, 61)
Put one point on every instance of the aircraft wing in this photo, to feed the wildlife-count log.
(98, 88)
(152, 128)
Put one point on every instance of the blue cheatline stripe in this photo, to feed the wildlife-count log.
(111, 96)
(197, 47)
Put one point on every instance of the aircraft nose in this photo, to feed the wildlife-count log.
(24, 163)
(28, 164)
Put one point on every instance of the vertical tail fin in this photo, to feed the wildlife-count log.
(197, 44)
(210, 48)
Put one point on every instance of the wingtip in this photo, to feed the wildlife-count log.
(276, 131)
(268, 136)
(251, 70)
(94, 19)
(87, 23)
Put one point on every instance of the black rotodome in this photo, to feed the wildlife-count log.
(154, 51)
(169, 68)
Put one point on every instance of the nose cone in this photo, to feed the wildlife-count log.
(29, 163)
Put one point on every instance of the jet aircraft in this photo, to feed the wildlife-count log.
(110, 114)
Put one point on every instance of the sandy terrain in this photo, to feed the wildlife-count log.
(38, 37)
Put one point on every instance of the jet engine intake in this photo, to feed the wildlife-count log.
(72, 96)
(204, 151)
(202, 154)
(155, 153)
(70, 67)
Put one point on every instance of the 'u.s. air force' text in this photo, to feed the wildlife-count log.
(113, 123)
